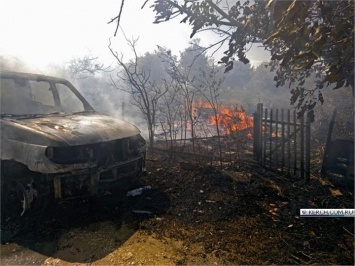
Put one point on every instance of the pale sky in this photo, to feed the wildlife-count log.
(41, 32)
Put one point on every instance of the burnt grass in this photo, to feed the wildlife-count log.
(248, 215)
(242, 214)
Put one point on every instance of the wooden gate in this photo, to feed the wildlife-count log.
(282, 141)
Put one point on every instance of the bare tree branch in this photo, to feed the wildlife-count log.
(86, 65)
(118, 18)
(145, 93)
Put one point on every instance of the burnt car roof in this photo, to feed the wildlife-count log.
(12, 74)
(75, 128)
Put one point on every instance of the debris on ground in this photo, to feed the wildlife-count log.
(241, 214)
(137, 191)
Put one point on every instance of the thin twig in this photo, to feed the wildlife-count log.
(144, 3)
(299, 259)
(118, 18)
(304, 254)
(284, 240)
(348, 231)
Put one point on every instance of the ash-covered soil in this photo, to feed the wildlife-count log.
(190, 214)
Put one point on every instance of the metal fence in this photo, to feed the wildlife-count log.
(281, 141)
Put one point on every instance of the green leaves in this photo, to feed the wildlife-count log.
(302, 36)
(305, 64)
(229, 66)
(339, 84)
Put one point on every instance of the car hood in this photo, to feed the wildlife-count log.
(78, 129)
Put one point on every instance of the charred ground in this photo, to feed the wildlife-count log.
(193, 214)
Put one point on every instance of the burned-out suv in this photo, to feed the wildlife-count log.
(53, 143)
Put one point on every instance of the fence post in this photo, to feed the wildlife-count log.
(270, 137)
(264, 132)
(256, 141)
(277, 137)
(327, 144)
(289, 142)
(302, 146)
(260, 111)
(257, 138)
(308, 149)
(282, 141)
(295, 143)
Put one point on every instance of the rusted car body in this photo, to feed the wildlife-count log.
(54, 143)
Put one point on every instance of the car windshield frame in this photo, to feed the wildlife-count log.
(18, 100)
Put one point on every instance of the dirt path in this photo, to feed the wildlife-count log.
(198, 216)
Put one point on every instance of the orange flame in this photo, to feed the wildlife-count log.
(228, 119)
